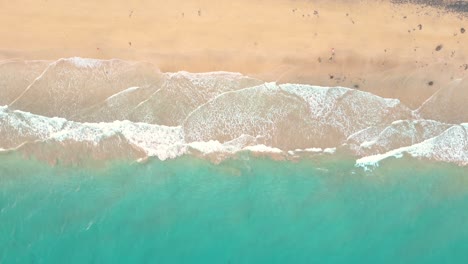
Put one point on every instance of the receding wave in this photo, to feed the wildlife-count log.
(73, 110)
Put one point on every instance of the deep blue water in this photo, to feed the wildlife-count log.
(245, 210)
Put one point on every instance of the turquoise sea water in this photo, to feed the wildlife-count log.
(244, 210)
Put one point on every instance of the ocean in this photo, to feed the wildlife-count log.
(113, 161)
(246, 209)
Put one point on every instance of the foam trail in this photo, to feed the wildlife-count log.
(217, 113)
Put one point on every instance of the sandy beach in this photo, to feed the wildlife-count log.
(406, 51)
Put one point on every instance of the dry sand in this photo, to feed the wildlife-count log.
(384, 48)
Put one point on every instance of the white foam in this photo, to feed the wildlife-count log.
(316, 150)
(312, 150)
(233, 113)
(373, 161)
(26, 124)
(214, 146)
(168, 142)
(450, 146)
(128, 90)
(320, 99)
(398, 134)
(206, 75)
(263, 149)
(345, 109)
(162, 142)
(329, 150)
(209, 147)
(84, 62)
(231, 147)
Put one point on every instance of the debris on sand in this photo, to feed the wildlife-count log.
(439, 47)
(420, 27)
(462, 30)
(430, 83)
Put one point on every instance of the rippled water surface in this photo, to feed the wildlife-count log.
(244, 210)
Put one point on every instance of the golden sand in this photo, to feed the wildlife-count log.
(376, 46)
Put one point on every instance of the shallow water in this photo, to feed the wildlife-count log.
(244, 210)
